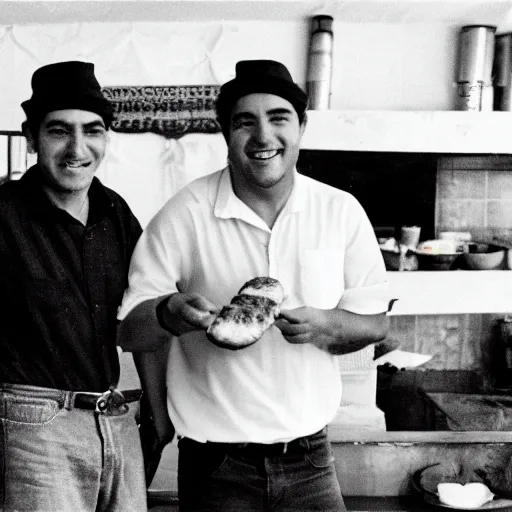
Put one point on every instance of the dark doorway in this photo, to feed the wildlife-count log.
(395, 189)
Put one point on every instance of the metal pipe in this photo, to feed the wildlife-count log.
(319, 73)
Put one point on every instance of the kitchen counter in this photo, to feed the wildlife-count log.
(376, 464)
(353, 503)
(471, 411)
(374, 468)
(393, 504)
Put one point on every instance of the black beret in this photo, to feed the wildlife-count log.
(255, 76)
(66, 85)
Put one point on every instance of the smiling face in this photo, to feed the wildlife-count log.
(264, 140)
(70, 145)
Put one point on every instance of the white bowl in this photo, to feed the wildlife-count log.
(469, 496)
(483, 256)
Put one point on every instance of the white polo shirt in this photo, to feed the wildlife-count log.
(322, 249)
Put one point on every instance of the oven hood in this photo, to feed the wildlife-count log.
(444, 132)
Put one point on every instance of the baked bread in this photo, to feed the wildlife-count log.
(250, 313)
(264, 287)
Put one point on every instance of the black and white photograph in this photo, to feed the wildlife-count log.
(256, 255)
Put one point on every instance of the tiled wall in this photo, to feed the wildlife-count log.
(474, 194)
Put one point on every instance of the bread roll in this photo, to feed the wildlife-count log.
(250, 313)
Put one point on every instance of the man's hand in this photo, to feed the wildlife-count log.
(184, 312)
(334, 330)
(305, 325)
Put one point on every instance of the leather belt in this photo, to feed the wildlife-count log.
(101, 402)
(294, 447)
(266, 450)
(112, 402)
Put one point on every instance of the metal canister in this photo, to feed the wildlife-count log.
(503, 72)
(476, 53)
(319, 72)
(502, 60)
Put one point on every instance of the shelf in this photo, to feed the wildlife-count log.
(359, 436)
(451, 292)
(409, 131)
(348, 11)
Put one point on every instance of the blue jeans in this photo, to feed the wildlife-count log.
(57, 458)
(217, 478)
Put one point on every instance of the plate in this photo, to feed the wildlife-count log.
(494, 504)
(403, 359)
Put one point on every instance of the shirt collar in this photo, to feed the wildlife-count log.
(228, 205)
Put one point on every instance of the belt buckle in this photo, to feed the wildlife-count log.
(110, 403)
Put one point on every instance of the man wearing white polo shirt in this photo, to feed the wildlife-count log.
(252, 422)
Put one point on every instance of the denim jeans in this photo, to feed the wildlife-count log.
(212, 478)
(56, 459)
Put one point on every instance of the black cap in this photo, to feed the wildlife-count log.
(254, 76)
(66, 85)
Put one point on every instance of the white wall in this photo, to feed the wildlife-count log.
(379, 66)
(389, 66)
(141, 53)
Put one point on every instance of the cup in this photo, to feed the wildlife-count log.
(410, 236)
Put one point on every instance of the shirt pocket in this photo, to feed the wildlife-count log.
(322, 277)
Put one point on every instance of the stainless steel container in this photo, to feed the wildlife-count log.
(319, 72)
(476, 53)
(503, 72)
(502, 60)
(475, 90)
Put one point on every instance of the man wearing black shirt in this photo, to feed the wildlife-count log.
(68, 437)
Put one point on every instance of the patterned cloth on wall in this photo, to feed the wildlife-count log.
(171, 111)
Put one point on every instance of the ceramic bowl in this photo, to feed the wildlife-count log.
(437, 255)
(392, 260)
(483, 256)
(427, 261)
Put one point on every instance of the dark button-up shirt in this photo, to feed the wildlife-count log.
(60, 285)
